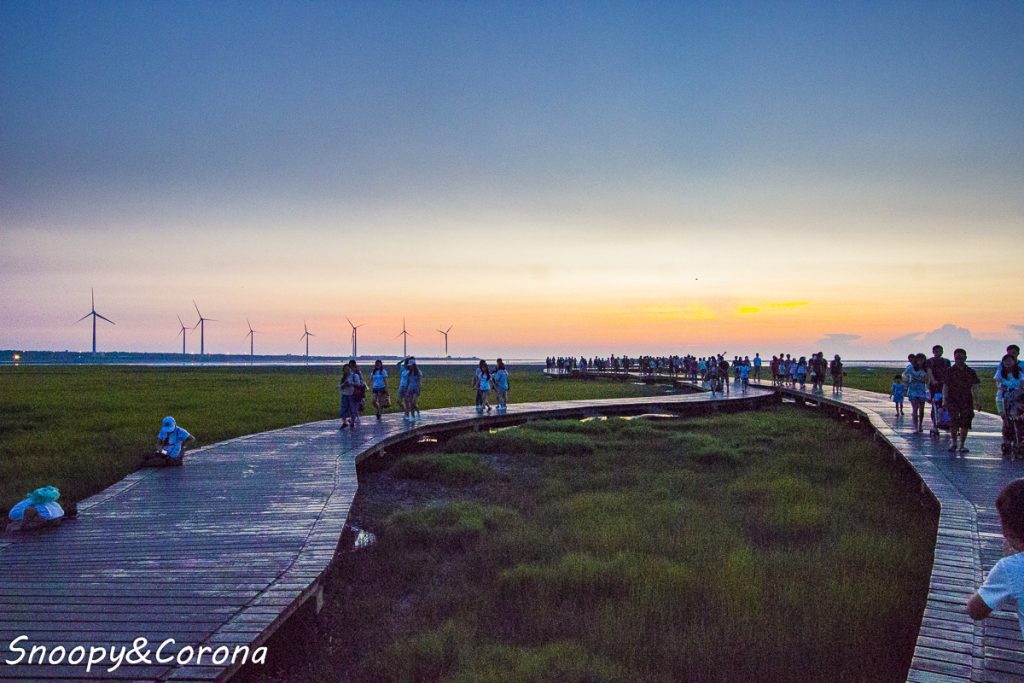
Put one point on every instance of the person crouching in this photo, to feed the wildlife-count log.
(171, 449)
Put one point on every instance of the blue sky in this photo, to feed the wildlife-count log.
(257, 139)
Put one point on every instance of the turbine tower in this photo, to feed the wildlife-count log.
(94, 315)
(184, 328)
(405, 341)
(445, 333)
(252, 338)
(355, 338)
(306, 335)
(202, 329)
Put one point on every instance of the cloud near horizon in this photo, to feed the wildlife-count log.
(949, 336)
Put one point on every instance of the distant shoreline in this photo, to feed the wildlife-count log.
(15, 358)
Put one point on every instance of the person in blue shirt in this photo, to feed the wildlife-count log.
(501, 386)
(171, 449)
(898, 391)
(757, 367)
(413, 384)
(482, 384)
(378, 377)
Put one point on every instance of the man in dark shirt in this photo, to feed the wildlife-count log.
(961, 397)
(937, 367)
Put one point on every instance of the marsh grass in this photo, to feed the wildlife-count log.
(444, 468)
(83, 428)
(773, 545)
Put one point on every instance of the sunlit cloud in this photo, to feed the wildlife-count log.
(746, 310)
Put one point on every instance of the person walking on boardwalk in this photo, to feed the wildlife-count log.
(1013, 351)
(898, 392)
(350, 379)
(937, 366)
(379, 384)
(961, 396)
(835, 369)
(818, 366)
(414, 382)
(482, 384)
(501, 386)
(1009, 394)
(916, 379)
(403, 383)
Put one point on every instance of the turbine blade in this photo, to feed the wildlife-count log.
(449, 329)
(92, 292)
(197, 308)
(107, 319)
(82, 318)
(179, 320)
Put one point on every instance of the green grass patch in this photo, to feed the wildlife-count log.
(444, 468)
(774, 545)
(450, 525)
(83, 428)
(523, 440)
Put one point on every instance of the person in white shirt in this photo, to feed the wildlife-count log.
(1006, 580)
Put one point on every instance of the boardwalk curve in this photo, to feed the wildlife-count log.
(220, 552)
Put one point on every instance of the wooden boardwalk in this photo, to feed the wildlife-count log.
(221, 551)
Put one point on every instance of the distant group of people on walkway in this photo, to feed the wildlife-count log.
(715, 370)
(950, 388)
(353, 390)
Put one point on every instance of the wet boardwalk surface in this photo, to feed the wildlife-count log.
(221, 551)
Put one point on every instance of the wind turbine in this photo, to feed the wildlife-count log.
(306, 335)
(445, 333)
(202, 329)
(355, 338)
(252, 338)
(94, 315)
(184, 328)
(405, 340)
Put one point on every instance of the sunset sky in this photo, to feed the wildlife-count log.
(553, 177)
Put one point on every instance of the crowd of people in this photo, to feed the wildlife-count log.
(354, 390)
(949, 389)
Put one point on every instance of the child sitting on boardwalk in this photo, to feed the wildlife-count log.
(171, 450)
(1006, 580)
(39, 509)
